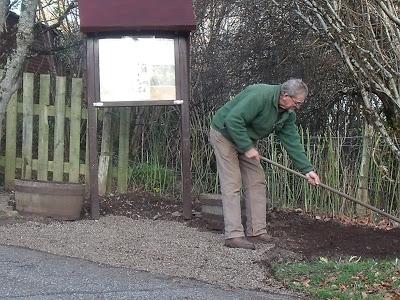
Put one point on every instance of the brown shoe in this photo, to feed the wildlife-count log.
(265, 238)
(239, 242)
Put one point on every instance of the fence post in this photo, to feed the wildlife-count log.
(87, 165)
(27, 127)
(123, 150)
(105, 153)
(58, 166)
(75, 132)
(43, 148)
(11, 140)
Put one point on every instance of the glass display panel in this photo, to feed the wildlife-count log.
(134, 69)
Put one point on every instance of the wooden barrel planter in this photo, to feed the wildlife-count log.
(61, 201)
(212, 212)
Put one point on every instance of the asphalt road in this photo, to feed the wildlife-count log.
(29, 274)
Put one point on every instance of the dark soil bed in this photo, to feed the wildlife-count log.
(297, 235)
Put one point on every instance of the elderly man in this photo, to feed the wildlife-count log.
(253, 114)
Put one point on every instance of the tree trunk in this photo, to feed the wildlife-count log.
(362, 191)
(11, 73)
(4, 6)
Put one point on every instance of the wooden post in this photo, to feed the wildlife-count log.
(43, 148)
(27, 129)
(11, 146)
(182, 50)
(92, 88)
(87, 164)
(105, 152)
(123, 150)
(58, 165)
(75, 130)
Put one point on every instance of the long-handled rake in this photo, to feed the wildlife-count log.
(373, 208)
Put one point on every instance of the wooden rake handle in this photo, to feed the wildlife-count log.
(373, 208)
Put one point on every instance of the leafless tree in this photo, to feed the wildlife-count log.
(366, 34)
(24, 38)
(243, 42)
(63, 16)
(4, 8)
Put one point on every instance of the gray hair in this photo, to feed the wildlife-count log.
(294, 87)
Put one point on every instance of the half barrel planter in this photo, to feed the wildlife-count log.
(212, 211)
(57, 200)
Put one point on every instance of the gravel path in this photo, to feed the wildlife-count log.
(160, 247)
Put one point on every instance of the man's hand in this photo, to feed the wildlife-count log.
(313, 178)
(252, 154)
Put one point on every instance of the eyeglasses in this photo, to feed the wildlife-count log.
(296, 102)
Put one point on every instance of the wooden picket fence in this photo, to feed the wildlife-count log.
(46, 142)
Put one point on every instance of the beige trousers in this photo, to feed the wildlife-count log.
(236, 171)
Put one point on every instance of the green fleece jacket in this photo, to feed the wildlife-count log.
(253, 114)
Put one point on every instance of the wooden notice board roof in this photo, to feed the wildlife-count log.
(136, 15)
